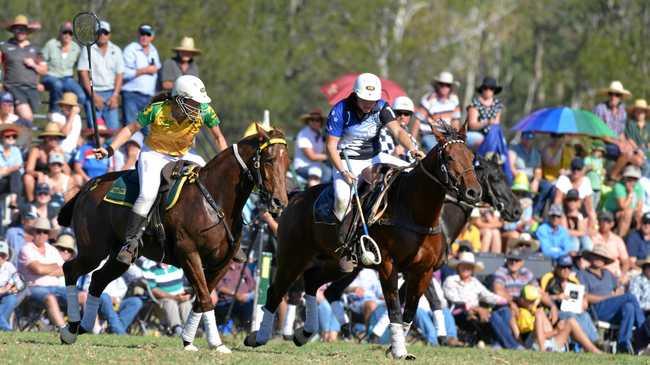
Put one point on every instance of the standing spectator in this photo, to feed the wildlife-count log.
(640, 285)
(638, 242)
(41, 266)
(595, 168)
(166, 284)
(612, 244)
(554, 238)
(108, 70)
(484, 111)
(38, 156)
(441, 104)
(575, 222)
(86, 165)
(19, 231)
(626, 200)
(182, 64)
(526, 158)
(70, 123)
(9, 286)
(61, 56)
(310, 146)
(7, 115)
(141, 64)
(11, 163)
(578, 181)
(244, 297)
(23, 64)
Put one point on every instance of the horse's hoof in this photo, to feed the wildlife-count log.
(222, 349)
(251, 340)
(67, 337)
(301, 337)
(407, 356)
(191, 348)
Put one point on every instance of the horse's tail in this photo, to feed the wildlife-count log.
(65, 214)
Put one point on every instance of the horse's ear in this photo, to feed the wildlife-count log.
(435, 129)
(261, 133)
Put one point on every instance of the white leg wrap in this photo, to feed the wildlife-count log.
(191, 325)
(407, 328)
(73, 304)
(289, 320)
(440, 322)
(311, 314)
(214, 339)
(266, 327)
(90, 313)
(339, 312)
(397, 340)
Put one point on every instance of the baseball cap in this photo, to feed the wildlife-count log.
(577, 163)
(564, 261)
(572, 194)
(42, 188)
(530, 293)
(147, 29)
(632, 171)
(315, 171)
(605, 215)
(28, 212)
(645, 219)
(104, 25)
(56, 158)
(555, 210)
(6, 97)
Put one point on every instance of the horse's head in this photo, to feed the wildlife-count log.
(452, 163)
(270, 166)
(496, 191)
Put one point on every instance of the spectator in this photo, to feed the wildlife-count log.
(62, 185)
(553, 284)
(365, 294)
(86, 166)
(434, 319)
(11, 163)
(314, 176)
(557, 155)
(613, 245)
(244, 297)
(638, 242)
(70, 123)
(38, 156)
(575, 222)
(526, 158)
(521, 189)
(182, 64)
(61, 56)
(471, 234)
(484, 111)
(23, 64)
(9, 285)
(637, 131)
(608, 299)
(328, 326)
(578, 181)
(19, 231)
(41, 266)
(403, 109)
(441, 104)
(7, 115)
(524, 243)
(490, 226)
(108, 70)
(639, 285)
(626, 200)
(141, 65)
(310, 146)
(44, 206)
(553, 237)
(166, 284)
(465, 292)
(511, 277)
(595, 168)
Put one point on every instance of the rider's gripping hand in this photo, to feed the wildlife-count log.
(417, 154)
(103, 152)
(349, 178)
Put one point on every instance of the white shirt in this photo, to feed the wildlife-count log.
(564, 184)
(307, 138)
(470, 293)
(369, 281)
(69, 144)
(433, 105)
(7, 271)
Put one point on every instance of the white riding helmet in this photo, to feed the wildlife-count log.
(403, 103)
(368, 87)
(190, 87)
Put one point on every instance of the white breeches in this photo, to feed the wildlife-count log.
(343, 191)
(150, 163)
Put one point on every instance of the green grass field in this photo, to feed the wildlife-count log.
(44, 348)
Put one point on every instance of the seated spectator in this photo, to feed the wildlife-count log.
(7, 115)
(61, 55)
(62, 186)
(314, 176)
(553, 285)
(576, 180)
(41, 266)
(533, 320)
(524, 243)
(553, 237)
(637, 242)
(23, 64)
(328, 326)
(595, 169)
(182, 64)
(626, 200)
(526, 158)
(242, 300)
(640, 285)
(613, 245)
(70, 123)
(483, 112)
(364, 294)
(10, 284)
(11, 163)
(466, 293)
(44, 206)
(490, 226)
(38, 156)
(471, 234)
(433, 318)
(166, 284)
(310, 146)
(511, 277)
(19, 230)
(86, 165)
(575, 222)
(608, 300)
(557, 154)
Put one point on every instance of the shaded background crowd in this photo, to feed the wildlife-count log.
(572, 273)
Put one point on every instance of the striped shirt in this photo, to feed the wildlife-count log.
(165, 277)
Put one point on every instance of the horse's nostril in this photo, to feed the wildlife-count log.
(471, 194)
(517, 212)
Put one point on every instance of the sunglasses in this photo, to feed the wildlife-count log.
(68, 32)
(442, 84)
(41, 231)
(104, 32)
(65, 250)
(10, 136)
(20, 29)
(616, 94)
(145, 34)
(403, 113)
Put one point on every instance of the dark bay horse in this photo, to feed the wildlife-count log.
(197, 234)
(412, 243)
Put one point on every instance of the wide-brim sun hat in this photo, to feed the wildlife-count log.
(403, 103)
(524, 239)
(615, 87)
(489, 83)
(66, 241)
(639, 104)
(316, 113)
(24, 134)
(42, 223)
(22, 21)
(69, 99)
(600, 252)
(51, 129)
(631, 171)
(467, 258)
(445, 77)
(645, 261)
(187, 45)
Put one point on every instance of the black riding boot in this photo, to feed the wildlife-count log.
(134, 229)
(346, 264)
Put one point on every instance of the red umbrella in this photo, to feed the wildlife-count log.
(340, 88)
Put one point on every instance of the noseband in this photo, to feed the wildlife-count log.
(256, 175)
(446, 180)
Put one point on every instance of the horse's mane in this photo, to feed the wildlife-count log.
(449, 132)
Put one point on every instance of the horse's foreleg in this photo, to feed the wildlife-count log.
(388, 277)
(416, 285)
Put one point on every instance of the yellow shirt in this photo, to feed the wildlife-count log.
(472, 235)
(526, 320)
(169, 136)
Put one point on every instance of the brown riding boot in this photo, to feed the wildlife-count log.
(134, 230)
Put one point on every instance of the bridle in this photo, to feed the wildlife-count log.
(446, 180)
(255, 175)
(491, 195)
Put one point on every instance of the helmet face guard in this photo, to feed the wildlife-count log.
(191, 112)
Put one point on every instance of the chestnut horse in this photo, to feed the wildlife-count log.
(200, 239)
(410, 240)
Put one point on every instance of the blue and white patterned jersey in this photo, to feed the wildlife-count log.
(358, 135)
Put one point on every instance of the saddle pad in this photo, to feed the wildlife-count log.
(324, 206)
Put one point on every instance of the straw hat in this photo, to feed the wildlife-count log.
(42, 223)
(615, 87)
(640, 104)
(468, 259)
(21, 20)
(69, 99)
(316, 113)
(645, 261)
(187, 45)
(525, 241)
(24, 134)
(66, 241)
(600, 252)
(51, 129)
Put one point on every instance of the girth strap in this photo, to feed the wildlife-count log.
(429, 231)
(220, 214)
